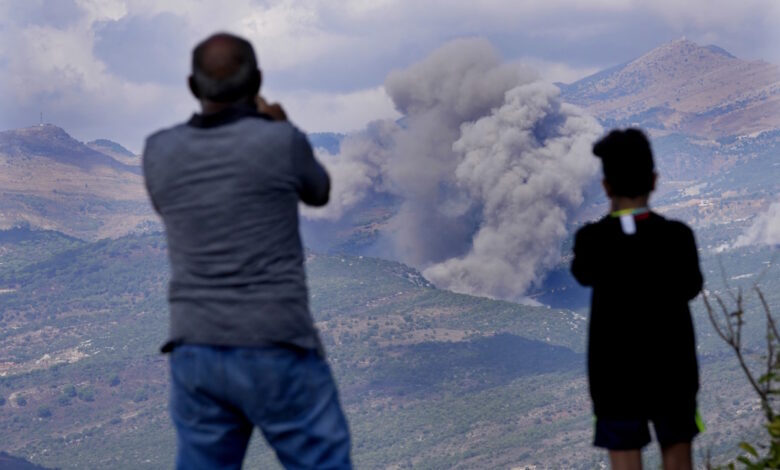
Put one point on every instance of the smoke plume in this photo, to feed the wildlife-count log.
(765, 230)
(487, 162)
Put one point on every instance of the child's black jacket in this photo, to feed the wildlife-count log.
(641, 344)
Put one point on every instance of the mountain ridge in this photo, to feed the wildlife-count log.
(683, 87)
(50, 141)
(52, 181)
(115, 151)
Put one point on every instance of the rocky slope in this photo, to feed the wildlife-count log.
(52, 181)
(115, 151)
(685, 88)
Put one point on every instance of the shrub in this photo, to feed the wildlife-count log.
(44, 412)
(86, 393)
(21, 401)
(69, 391)
(140, 396)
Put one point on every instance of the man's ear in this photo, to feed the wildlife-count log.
(655, 181)
(193, 86)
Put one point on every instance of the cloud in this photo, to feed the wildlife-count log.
(145, 49)
(557, 72)
(765, 230)
(55, 13)
(52, 70)
(336, 112)
(488, 164)
(323, 50)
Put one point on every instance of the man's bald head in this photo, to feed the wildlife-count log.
(224, 69)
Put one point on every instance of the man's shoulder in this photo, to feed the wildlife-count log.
(266, 129)
(164, 134)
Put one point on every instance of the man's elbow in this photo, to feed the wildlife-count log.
(317, 201)
(318, 197)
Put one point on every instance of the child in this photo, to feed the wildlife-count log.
(644, 269)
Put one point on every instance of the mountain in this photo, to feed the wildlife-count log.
(115, 151)
(681, 87)
(714, 122)
(50, 180)
(87, 190)
(52, 142)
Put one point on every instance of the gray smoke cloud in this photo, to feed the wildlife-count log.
(765, 230)
(487, 161)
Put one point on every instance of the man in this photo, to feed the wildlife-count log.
(244, 349)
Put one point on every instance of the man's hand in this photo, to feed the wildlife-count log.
(274, 110)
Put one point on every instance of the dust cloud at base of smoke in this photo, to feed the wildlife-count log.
(765, 230)
(488, 163)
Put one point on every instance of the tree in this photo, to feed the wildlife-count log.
(728, 322)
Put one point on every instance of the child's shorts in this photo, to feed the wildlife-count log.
(629, 434)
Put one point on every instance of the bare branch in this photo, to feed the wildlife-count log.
(733, 338)
(762, 395)
(723, 275)
(725, 311)
(738, 315)
(767, 312)
(713, 320)
(769, 266)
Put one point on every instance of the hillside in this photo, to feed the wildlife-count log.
(419, 368)
(115, 151)
(83, 382)
(681, 87)
(9, 462)
(50, 180)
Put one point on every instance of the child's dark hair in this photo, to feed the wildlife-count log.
(627, 161)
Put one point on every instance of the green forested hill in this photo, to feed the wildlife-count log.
(429, 379)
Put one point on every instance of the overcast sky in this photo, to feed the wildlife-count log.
(117, 68)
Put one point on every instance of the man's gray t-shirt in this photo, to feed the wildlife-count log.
(227, 187)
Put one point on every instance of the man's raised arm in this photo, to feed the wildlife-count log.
(313, 180)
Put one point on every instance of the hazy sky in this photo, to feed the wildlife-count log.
(117, 68)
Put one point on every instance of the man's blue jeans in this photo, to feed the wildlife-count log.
(219, 394)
